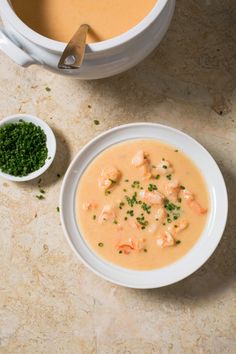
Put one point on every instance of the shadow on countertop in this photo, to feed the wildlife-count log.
(195, 61)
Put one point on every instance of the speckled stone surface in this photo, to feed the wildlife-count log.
(49, 302)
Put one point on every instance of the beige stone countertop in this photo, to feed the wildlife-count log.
(49, 302)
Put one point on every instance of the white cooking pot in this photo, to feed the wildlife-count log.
(102, 59)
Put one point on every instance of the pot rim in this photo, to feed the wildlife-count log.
(51, 44)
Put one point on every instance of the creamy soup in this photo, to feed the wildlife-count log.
(141, 204)
(59, 19)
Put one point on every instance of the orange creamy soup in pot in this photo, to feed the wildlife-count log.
(141, 204)
(60, 19)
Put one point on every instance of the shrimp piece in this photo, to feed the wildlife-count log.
(141, 244)
(108, 177)
(153, 228)
(193, 204)
(89, 206)
(107, 214)
(196, 207)
(178, 226)
(160, 214)
(164, 168)
(154, 197)
(127, 246)
(165, 240)
(119, 227)
(146, 170)
(172, 190)
(135, 225)
(138, 159)
(189, 196)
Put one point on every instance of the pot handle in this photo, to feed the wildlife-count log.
(13, 51)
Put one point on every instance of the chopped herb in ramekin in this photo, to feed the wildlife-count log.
(23, 148)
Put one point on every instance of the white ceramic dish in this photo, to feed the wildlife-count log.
(51, 145)
(202, 249)
(102, 59)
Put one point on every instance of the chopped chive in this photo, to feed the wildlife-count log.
(115, 222)
(96, 122)
(23, 148)
(125, 218)
(124, 190)
(94, 217)
(58, 209)
(112, 181)
(182, 187)
(133, 200)
(178, 242)
(164, 166)
(152, 187)
(170, 206)
(130, 212)
(176, 150)
(141, 220)
(169, 177)
(120, 252)
(107, 192)
(157, 176)
(126, 180)
(146, 207)
(40, 196)
(100, 244)
(48, 89)
(121, 205)
(42, 191)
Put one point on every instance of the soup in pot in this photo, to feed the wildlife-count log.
(60, 19)
(141, 204)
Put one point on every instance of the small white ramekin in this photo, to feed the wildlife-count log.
(51, 145)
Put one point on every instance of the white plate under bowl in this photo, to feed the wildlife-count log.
(204, 247)
(51, 145)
